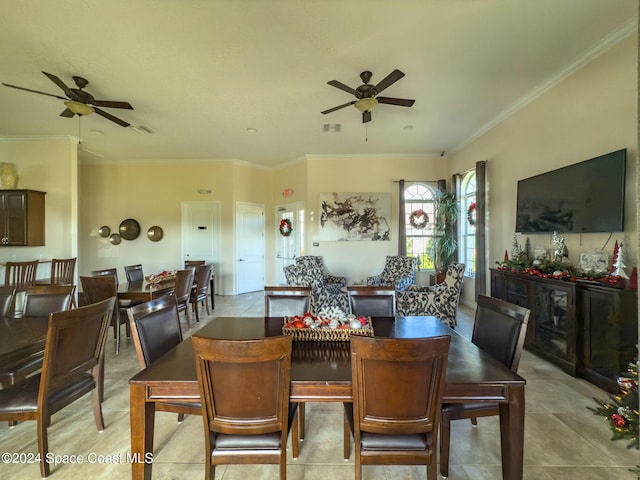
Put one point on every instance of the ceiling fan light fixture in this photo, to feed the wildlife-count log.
(79, 108)
(366, 104)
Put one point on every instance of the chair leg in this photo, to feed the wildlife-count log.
(117, 334)
(97, 408)
(195, 309)
(445, 439)
(188, 317)
(43, 446)
(474, 421)
(347, 438)
(206, 304)
(301, 416)
(295, 448)
(180, 417)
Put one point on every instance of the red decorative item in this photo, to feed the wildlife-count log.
(618, 420)
(506, 256)
(285, 227)
(614, 257)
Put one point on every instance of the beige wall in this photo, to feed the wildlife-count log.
(590, 113)
(48, 165)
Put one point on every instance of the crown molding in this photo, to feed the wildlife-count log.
(37, 138)
(610, 40)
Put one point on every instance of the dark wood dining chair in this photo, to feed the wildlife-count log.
(372, 301)
(7, 295)
(499, 329)
(72, 367)
(134, 273)
(20, 275)
(212, 283)
(398, 385)
(63, 272)
(155, 329)
(244, 390)
(182, 288)
(41, 300)
(286, 301)
(98, 288)
(201, 289)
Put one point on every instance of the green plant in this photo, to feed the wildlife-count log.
(445, 242)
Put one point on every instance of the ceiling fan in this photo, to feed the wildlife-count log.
(79, 102)
(366, 95)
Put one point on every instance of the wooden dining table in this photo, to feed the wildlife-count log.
(21, 338)
(143, 291)
(321, 372)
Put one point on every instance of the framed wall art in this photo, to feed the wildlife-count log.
(348, 216)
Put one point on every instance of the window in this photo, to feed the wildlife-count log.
(467, 243)
(420, 197)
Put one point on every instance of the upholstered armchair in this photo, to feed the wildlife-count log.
(440, 300)
(332, 282)
(323, 295)
(399, 272)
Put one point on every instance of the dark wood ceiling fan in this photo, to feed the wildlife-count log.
(366, 94)
(80, 102)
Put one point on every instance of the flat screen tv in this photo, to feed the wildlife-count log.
(581, 198)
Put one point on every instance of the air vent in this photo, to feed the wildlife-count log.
(141, 129)
(331, 127)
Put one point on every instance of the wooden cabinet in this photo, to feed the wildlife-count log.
(587, 329)
(22, 218)
(609, 334)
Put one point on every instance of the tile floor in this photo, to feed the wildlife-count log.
(564, 441)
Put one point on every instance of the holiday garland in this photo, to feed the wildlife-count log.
(418, 219)
(285, 227)
(621, 410)
(471, 213)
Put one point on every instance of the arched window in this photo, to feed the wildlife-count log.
(419, 216)
(467, 243)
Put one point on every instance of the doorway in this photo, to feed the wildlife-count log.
(291, 246)
(250, 247)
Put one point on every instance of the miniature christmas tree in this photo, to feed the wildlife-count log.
(515, 249)
(619, 263)
(527, 248)
(614, 257)
(621, 411)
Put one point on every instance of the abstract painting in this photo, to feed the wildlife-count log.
(347, 216)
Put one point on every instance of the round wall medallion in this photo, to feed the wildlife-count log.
(129, 229)
(104, 231)
(155, 233)
(115, 239)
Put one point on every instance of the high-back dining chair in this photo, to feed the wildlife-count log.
(98, 288)
(20, 275)
(134, 273)
(499, 329)
(72, 367)
(182, 288)
(397, 396)
(6, 300)
(106, 271)
(286, 301)
(41, 300)
(155, 329)
(244, 390)
(201, 288)
(372, 301)
(63, 271)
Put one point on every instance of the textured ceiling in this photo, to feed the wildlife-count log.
(199, 73)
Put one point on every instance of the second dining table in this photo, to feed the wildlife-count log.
(321, 372)
(143, 291)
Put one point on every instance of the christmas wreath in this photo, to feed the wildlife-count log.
(285, 227)
(471, 213)
(418, 219)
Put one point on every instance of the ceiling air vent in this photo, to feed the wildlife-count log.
(331, 127)
(141, 129)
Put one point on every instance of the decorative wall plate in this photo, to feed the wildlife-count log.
(115, 239)
(155, 233)
(129, 229)
(104, 231)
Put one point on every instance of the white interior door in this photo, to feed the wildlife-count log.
(201, 232)
(289, 247)
(249, 247)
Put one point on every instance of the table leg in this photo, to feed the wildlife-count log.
(142, 422)
(512, 433)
